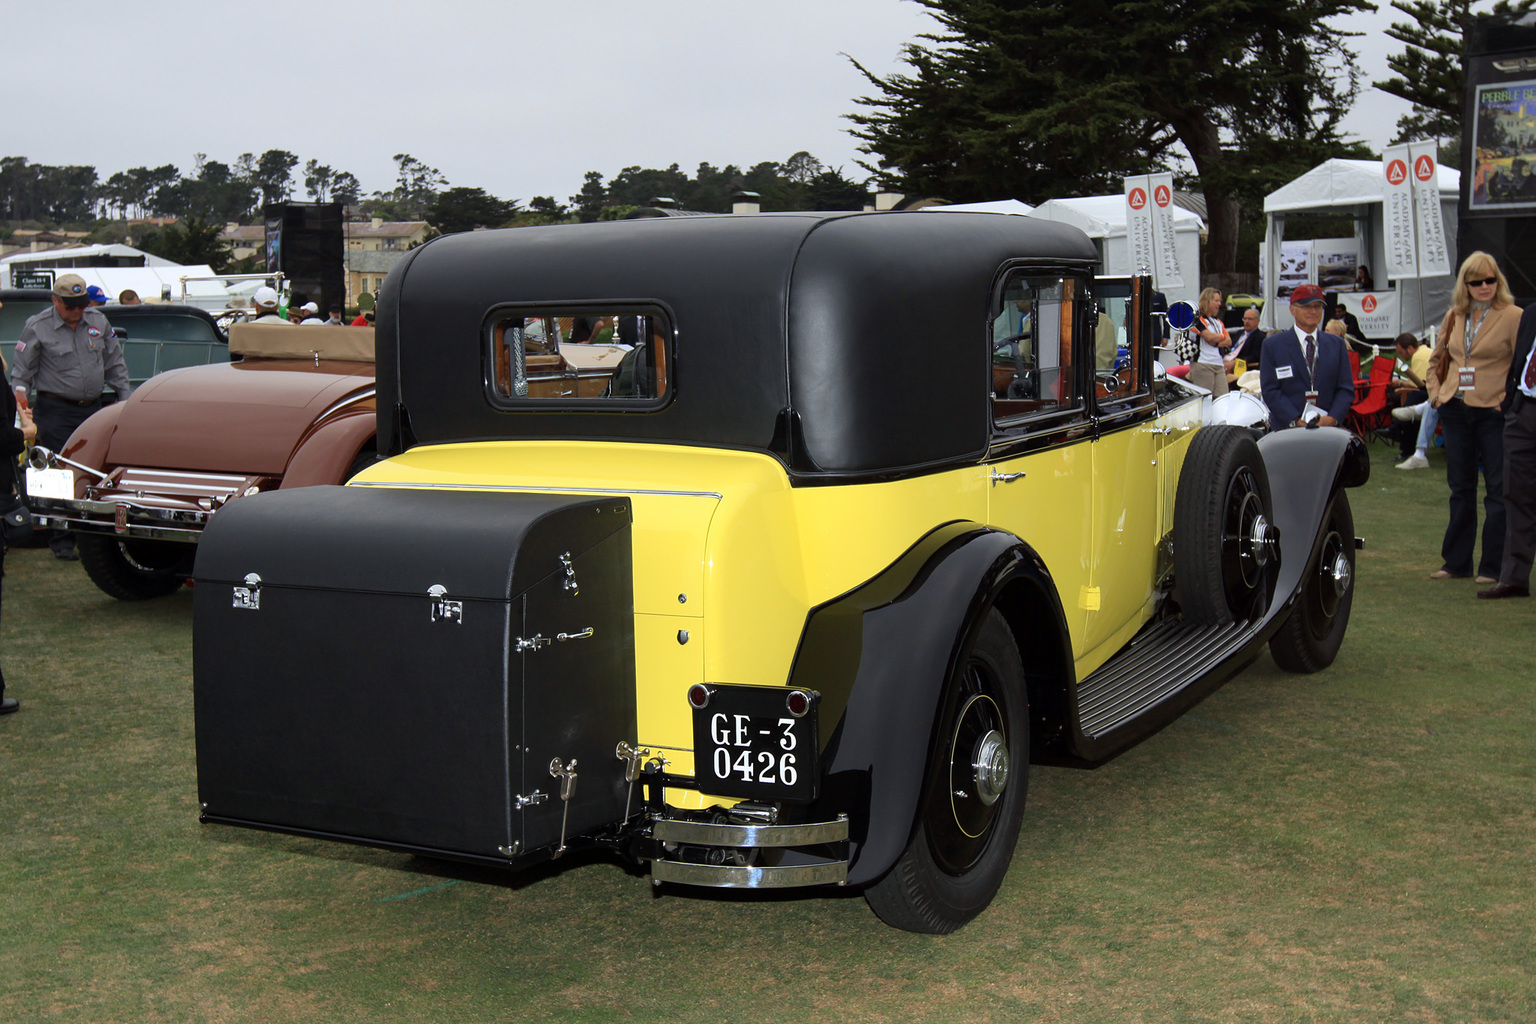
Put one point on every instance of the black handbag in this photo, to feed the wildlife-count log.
(15, 518)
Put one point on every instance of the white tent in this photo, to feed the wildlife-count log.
(1103, 218)
(1355, 188)
(150, 279)
(995, 206)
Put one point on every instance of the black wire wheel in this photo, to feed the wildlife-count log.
(973, 798)
(134, 570)
(1310, 638)
(1226, 548)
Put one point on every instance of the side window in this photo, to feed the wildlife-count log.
(1033, 372)
(577, 356)
(1118, 361)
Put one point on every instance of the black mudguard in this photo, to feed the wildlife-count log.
(1306, 468)
(880, 657)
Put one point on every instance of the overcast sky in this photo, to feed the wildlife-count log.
(520, 98)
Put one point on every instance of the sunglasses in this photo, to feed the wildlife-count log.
(76, 302)
(1485, 282)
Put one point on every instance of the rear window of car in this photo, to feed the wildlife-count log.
(583, 356)
(14, 316)
(164, 328)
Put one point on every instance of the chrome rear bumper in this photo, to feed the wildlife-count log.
(792, 848)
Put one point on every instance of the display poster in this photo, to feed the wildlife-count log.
(1434, 258)
(1376, 311)
(1138, 224)
(274, 245)
(1167, 274)
(1335, 260)
(1398, 224)
(1504, 167)
(1295, 267)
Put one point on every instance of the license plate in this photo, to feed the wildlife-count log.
(748, 742)
(50, 483)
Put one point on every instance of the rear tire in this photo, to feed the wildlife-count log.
(134, 570)
(969, 813)
(1313, 632)
(1225, 545)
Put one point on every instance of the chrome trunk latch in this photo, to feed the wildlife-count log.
(569, 584)
(249, 596)
(444, 610)
(531, 799)
(567, 777)
(532, 643)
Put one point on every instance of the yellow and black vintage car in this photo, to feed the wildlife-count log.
(793, 596)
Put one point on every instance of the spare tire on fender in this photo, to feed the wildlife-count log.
(1226, 549)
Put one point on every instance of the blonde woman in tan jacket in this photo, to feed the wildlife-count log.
(1466, 383)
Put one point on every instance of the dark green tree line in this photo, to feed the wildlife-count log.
(1035, 100)
(800, 183)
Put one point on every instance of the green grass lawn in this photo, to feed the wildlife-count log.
(1355, 846)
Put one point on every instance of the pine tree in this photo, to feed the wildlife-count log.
(1035, 100)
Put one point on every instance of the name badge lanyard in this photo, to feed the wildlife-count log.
(1466, 377)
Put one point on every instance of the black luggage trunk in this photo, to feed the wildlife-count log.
(399, 667)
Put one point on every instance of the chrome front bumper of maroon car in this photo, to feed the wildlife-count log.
(147, 504)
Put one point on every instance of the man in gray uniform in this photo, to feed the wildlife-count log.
(67, 354)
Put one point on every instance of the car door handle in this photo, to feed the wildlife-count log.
(1005, 478)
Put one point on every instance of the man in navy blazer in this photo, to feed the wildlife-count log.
(1285, 376)
(1519, 409)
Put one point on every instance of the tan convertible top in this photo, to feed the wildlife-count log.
(291, 341)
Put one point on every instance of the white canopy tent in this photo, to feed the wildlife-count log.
(1103, 218)
(150, 280)
(1355, 188)
(995, 206)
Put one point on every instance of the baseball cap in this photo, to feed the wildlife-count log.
(310, 307)
(1306, 294)
(265, 298)
(69, 286)
(95, 294)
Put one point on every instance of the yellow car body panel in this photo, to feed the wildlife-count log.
(729, 558)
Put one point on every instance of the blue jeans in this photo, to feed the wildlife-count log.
(1427, 424)
(1472, 436)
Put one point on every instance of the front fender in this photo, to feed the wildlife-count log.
(883, 654)
(328, 451)
(91, 443)
(1306, 468)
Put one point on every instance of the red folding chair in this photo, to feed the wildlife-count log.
(1370, 413)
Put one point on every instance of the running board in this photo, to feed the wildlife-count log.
(1171, 665)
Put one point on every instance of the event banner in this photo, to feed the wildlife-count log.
(1164, 245)
(1398, 224)
(1138, 224)
(1376, 311)
(1434, 258)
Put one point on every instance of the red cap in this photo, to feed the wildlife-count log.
(1306, 294)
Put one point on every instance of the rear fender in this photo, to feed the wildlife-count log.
(881, 656)
(328, 451)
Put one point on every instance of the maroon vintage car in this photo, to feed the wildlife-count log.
(296, 409)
